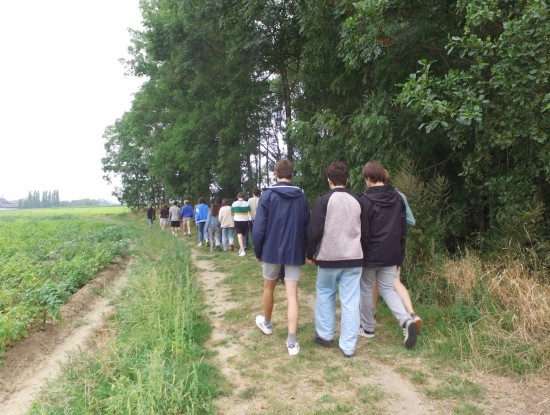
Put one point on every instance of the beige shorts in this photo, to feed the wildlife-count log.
(185, 221)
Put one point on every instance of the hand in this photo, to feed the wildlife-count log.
(311, 262)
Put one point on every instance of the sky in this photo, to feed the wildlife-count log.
(61, 85)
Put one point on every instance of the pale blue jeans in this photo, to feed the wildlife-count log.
(227, 234)
(347, 280)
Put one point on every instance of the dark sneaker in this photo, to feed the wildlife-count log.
(321, 341)
(346, 355)
(365, 333)
(410, 334)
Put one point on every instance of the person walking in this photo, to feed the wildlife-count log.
(399, 287)
(151, 215)
(337, 228)
(228, 226)
(383, 251)
(186, 215)
(164, 212)
(201, 213)
(253, 203)
(279, 236)
(174, 215)
(240, 209)
(212, 224)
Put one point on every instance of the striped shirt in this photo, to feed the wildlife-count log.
(240, 209)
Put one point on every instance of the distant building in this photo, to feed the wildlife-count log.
(4, 204)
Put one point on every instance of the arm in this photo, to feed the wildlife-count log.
(316, 227)
(411, 221)
(260, 225)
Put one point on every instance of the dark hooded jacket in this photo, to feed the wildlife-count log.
(387, 227)
(280, 227)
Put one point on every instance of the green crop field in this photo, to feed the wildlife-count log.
(46, 255)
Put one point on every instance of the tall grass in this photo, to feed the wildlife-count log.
(155, 363)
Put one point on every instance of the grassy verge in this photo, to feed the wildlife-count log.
(155, 362)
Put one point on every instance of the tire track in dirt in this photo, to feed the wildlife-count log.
(32, 361)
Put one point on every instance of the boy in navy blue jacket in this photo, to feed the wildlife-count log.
(280, 238)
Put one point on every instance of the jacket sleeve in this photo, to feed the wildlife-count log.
(197, 213)
(259, 229)
(364, 224)
(411, 221)
(207, 224)
(403, 236)
(316, 226)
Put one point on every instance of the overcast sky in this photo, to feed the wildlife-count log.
(61, 84)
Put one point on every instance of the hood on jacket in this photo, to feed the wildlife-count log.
(288, 191)
(384, 196)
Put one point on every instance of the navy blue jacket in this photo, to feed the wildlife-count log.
(280, 227)
(387, 227)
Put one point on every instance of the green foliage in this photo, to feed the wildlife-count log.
(43, 260)
(492, 105)
(156, 362)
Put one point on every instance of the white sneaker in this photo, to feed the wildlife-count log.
(366, 334)
(199, 244)
(241, 253)
(293, 349)
(260, 323)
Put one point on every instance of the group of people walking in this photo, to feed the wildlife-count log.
(356, 243)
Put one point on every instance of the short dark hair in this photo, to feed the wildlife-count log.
(225, 202)
(256, 192)
(175, 202)
(338, 173)
(374, 170)
(284, 169)
(202, 200)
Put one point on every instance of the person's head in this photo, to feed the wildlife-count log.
(175, 202)
(186, 201)
(165, 206)
(374, 171)
(225, 202)
(284, 169)
(338, 173)
(256, 192)
(214, 209)
(240, 195)
(202, 200)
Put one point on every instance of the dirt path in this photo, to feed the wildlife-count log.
(31, 361)
(229, 343)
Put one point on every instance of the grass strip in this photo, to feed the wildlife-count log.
(155, 363)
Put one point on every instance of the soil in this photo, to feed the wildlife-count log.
(30, 362)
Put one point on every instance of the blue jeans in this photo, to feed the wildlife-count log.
(227, 233)
(347, 280)
(201, 231)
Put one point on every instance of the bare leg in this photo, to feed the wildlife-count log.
(268, 299)
(292, 299)
(403, 295)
